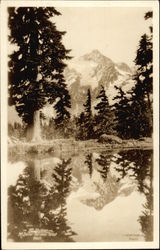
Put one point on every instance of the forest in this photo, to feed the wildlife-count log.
(36, 77)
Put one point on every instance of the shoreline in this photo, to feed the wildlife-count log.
(70, 146)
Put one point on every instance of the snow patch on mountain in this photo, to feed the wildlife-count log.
(121, 72)
(92, 70)
(84, 69)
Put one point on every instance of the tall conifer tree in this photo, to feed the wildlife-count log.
(85, 120)
(62, 108)
(123, 115)
(104, 115)
(133, 110)
(89, 162)
(36, 66)
(88, 117)
(142, 91)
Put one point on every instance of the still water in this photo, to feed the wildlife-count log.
(95, 197)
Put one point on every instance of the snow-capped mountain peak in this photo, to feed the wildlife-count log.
(90, 71)
(97, 56)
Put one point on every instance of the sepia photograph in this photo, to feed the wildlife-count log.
(80, 124)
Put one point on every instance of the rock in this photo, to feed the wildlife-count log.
(145, 139)
(104, 138)
(129, 144)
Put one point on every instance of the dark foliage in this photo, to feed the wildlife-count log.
(36, 67)
(104, 117)
(89, 163)
(134, 111)
(64, 102)
(104, 162)
(85, 121)
(123, 116)
(138, 165)
(142, 91)
(34, 207)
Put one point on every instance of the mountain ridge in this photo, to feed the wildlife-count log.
(90, 71)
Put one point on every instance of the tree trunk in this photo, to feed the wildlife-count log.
(37, 170)
(149, 103)
(34, 129)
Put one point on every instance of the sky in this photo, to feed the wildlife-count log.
(114, 31)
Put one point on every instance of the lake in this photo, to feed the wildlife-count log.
(92, 197)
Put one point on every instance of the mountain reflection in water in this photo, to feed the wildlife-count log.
(81, 198)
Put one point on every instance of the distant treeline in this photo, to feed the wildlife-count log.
(129, 117)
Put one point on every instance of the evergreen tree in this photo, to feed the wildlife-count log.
(143, 89)
(61, 107)
(62, 178)
(25, 199)
(36, 67)
(33, 206)
(133, 110)
(141, 117)
(80, 127)
(103, 118)
(85, 121)
(87, 105)
(89, 163)
(104, 161)
(88, 116)
(123, 116)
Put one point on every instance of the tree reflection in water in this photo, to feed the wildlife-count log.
(105, 188)
(104, 161)
(37, 212)
(37, 203)
(138, 165)
(89, 163)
